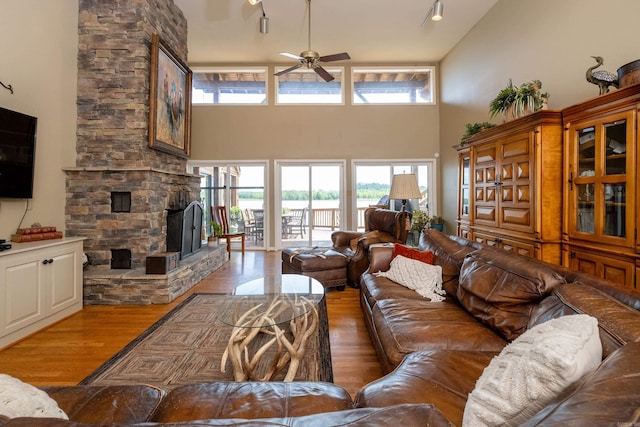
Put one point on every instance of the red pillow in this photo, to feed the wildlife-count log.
(412, 253)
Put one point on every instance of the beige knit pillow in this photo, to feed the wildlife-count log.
(532, 370)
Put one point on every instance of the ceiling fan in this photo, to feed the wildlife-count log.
(311, 58)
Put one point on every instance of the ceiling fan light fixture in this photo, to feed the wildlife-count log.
(437, 11)
(254, 2)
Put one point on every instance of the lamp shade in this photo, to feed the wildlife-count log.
(405, 187)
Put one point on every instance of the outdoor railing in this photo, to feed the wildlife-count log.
(330, 218)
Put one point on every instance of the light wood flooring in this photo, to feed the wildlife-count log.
(68, 351)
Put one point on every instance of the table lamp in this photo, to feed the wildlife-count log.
(404, 187)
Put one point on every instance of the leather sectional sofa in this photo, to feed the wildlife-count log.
(436, 351)
(433, 353)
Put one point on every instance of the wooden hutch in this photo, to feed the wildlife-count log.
(560, 186)
(510, 186)
(601, 186)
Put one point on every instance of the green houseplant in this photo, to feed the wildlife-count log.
(517, 101)
(419, 221)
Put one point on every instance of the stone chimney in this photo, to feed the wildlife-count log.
(120, 189)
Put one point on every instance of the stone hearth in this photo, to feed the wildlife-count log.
(111, 287)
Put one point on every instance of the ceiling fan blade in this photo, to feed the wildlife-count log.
(288, 70)
(335, 57)
(323, 73)
(292, 56)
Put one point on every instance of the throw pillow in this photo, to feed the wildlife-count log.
(412, 253)
(425, 279)
(533, 370)
(18, 399)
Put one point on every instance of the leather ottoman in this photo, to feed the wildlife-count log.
(323, 264)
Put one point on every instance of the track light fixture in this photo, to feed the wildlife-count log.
(264, 19)
(435, 12)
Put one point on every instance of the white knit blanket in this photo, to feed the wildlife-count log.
(425, 279)
(18, 399)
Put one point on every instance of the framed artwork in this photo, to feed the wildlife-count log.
(170, 101)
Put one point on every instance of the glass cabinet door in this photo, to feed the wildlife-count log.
(465, 190)
(598, 178)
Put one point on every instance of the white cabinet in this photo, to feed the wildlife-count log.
(40, 283)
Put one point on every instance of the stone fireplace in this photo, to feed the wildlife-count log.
(120, 190)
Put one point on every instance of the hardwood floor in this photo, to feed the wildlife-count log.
(68, 351)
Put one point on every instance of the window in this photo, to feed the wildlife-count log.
(406, 85)
(229, 86)
(241, 187)
(372, 182)
(304, 86)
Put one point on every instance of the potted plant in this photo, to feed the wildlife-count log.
(419, 221)
(518, 101)
(473, 128)
(217, 230)
(436, 222)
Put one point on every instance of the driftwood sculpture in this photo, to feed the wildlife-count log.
(303, 323)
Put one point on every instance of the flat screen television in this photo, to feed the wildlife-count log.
(17, 154)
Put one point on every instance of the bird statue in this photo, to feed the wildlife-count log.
(603, 79)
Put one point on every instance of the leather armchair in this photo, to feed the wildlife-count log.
(381, 226)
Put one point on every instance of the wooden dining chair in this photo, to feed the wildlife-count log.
(220, 215)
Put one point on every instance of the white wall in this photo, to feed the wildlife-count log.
(38, 51)
(548, 40)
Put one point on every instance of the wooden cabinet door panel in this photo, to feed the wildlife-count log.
(520, 248)
(606, 267)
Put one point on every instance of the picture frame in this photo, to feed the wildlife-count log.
(169, 101)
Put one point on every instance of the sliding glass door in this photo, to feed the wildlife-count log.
(241, 189)
(309, 202)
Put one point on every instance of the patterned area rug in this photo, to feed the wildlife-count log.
(187, 344)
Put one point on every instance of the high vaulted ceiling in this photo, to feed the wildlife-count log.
(372, 31)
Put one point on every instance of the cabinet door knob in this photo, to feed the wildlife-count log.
(47, 261)
(572, 254)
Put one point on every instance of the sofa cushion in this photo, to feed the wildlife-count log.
(251, 400)
(443, 378)
(425, 279)
(412, 253)
(118, 404)
(408, 415)
(619, 324)
(501, 289)
(448, 254)
(19, 399)
(374, 289)
(406, 325)
(609, 396)
(533, 370)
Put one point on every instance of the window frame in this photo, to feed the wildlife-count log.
(330, 69)
(252, 69)
(395, 69)
(432, 179)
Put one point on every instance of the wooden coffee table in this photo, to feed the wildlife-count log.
(283, 306)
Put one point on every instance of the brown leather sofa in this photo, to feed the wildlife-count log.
(223, 404)
(436, 351)
(381, 225)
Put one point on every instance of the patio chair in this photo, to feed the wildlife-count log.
(249, 223)
(258, 215)
(297, 222)
(220, 215)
